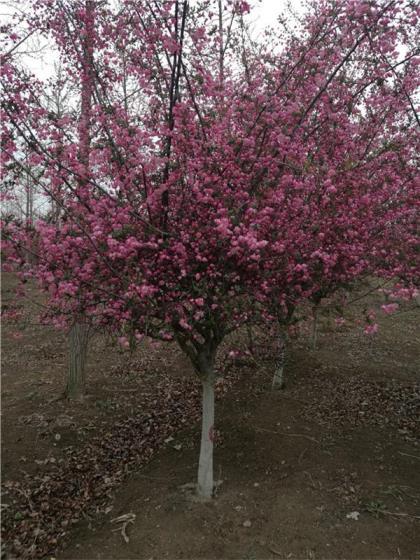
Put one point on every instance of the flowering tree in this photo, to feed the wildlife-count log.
(138, 225)
(59, 154)
(208, 184)
(345, 177)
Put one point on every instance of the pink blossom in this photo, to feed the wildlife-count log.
(371, 329)
(123, 341)
(389, 308)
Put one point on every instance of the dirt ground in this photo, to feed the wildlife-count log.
(326, 468)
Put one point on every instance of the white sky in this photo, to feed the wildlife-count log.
(264, 13)
(268, 10)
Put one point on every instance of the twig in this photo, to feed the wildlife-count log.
(409, 455)
(400, 514)
(302, 455)
(415, 498)
(311, 479)
(274, 551)
(287, 434)
(26, 494)
(125, 519)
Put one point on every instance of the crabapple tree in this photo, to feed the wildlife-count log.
(212, 181)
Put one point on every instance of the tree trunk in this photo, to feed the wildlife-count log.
(250, 338)
(78, 342)
(79, 332)
(203, 357)
(314, 337)
(278, 377)
(205, 465)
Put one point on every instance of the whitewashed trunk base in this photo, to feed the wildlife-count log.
(278, 379)
(205, 482)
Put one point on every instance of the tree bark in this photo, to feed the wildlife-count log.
(78, 336)
(278, 377)
(78, 343)
(314, 336)
(250, 338)
(202, 357)
(205, 480)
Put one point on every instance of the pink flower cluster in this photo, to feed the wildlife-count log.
(194, 193)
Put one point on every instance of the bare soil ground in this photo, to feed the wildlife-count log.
(327, 468)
